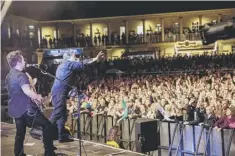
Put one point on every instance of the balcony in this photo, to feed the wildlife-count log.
(133, 40)
(16, 42)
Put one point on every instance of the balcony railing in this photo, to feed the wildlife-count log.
(149, 39)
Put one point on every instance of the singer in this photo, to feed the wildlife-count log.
(60, 90)
(22, 108)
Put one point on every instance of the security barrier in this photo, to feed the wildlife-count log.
(96, 129)
(178, 139)
(175, 139)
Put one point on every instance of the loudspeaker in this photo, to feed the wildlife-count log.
(146, 135)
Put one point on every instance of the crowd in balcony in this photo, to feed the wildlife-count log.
(201, 84)
(99, 39)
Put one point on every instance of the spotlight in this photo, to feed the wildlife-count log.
(221, 31)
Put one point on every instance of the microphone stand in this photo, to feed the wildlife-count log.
(80, 96)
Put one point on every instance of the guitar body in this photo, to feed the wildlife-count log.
(32, 86)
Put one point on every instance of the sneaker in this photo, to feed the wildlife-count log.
(67, 139)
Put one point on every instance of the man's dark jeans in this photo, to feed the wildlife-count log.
(27, 119)
(59, 113)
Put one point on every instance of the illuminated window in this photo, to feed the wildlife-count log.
(88, 31)
(31, 34)
(140, 29)
(233, 49)
(195, 26)
(105, 31)
(54, 34)
(31, 27)
(158, 28)
(214, 21)
(176, 28)
(122, 30)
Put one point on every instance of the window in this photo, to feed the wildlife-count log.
(54, 34)
(195, 26)
(158, 28)
(105, 31)
(214, 22)
(122, 30)
(176, 28)
(233, 49)
(140, 29)
(88, 31)
(31, 34)
(31, 27)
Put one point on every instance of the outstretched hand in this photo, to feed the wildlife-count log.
(100, 55)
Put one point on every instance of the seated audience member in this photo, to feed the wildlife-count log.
(113, 138)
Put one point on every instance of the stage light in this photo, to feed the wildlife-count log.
(211, 33)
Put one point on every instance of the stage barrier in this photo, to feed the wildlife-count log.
(175, 139)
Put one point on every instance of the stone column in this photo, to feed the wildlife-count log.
(57, 31)
(40, 35)
(126, 32)
(181, 28)
(143, 30)
(200, 20)
(219, 18)
(91, 34)
(163, 33)
(109, 32)
(74, 35)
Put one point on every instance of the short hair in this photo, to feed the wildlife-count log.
(14, 57)
(67, 55)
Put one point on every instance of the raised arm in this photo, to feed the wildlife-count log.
(79, 64)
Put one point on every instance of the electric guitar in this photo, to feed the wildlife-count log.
(32, 86)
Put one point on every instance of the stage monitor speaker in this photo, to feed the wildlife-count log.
(146, 135)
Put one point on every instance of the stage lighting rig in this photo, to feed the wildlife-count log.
(211, 33)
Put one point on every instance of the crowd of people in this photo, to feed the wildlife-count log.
(207, 90)
(178, 97)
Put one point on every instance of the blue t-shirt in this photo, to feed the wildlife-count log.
(18, 102)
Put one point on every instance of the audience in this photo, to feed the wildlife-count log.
(200, 91)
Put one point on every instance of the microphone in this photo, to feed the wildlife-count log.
(40, 66)
(32, 65)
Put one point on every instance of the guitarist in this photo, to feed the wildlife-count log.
(22, 109)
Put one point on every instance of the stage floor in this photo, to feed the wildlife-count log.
(34, 147)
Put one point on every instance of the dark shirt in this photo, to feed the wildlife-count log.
(18, 102)
(190, 113)
(209, 120)
(66, 72)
